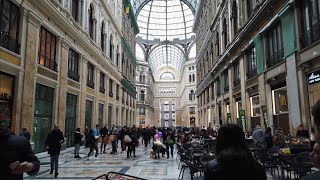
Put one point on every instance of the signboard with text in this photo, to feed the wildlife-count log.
(242, 116)
(314, 77)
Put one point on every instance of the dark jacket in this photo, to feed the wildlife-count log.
(52, 141)
(15, 148)
(103, 132)
(234, 166)
(77, 137)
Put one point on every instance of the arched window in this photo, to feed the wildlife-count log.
(193, 78)
(142, 95)
(111, 48)
(102, 37)
(118, 56)
(91, 21)
(189, 78)
(234, 16)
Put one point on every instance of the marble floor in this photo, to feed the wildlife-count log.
(141, 166)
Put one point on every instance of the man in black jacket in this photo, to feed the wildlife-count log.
(103, 133)
(16, 156)
(53, 143)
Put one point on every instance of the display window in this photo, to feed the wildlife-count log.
(280, 101)
(255, 106)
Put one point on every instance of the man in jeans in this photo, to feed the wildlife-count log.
(77, 142)
(103, 133)
(53, 143)
(96, 134)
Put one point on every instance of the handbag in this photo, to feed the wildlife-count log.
(127, 139)
(111, 137)
(106, 140)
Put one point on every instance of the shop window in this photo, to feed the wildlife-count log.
(102, 80)
(142, 111)
(73, 65)
(255, 106)
(280, 103)
(310, 22)
(252, 62)
(275, 45)
(6, 94)
(90, 74)
(47, 49)
(9, 26)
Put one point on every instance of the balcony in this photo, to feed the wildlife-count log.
(9, 42)
(236, 82)
(74, 76)
(275, 58)
(90, 84)
(102, 90)
(311, 36)
(110, 94)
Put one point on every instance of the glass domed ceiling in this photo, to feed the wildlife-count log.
(165, 20)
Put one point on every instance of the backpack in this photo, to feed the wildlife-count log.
(170, 141)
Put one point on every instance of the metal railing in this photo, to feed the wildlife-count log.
(275, 58)
(9, 42)
(73, 75)
(311, 35)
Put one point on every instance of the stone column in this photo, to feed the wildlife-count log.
(269, 104)
(114, 103)
(97, 96)
(262, 97)
(232, 107)
(63, 83)
(83, 87)
(29, 84)
(243, 84)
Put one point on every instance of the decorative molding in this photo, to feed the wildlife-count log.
(34, 19)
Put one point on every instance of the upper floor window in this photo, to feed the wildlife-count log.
(190, 79)
(142, 95)
(225, 32)
(142, 111)
(234, 16)
(73, 65)
(91, 23)
(118, 57)
(252, 62)
(249, 8)
(117, 92)
(275, 45)
(102, 43)
(237, 77)
(9, 25)
(47, 49)
(217, 44)
(191, 96)
(75, 10)
(110, 87)
(310, 22)
(90, 80)
(111, 48)
(102, 80)
(226, 80)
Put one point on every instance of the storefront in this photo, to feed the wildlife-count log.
(71, 117)
(7, 93)
(280, 107)
(42, 123)
(313, 87)
(255, 111)
(88, 115)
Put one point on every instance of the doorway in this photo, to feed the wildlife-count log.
(70, 122)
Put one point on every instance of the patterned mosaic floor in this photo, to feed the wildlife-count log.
(141, 166)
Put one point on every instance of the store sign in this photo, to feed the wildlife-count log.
(229, 118)
(314, 77)
(242, 116)
(265, 115)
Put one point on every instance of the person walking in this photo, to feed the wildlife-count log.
(86, 134)
(16, 155)
(103, 133)
(92, 144)
(53, 143)
(77, 142)
(96, 134)
(113, 139)
(170, 143)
